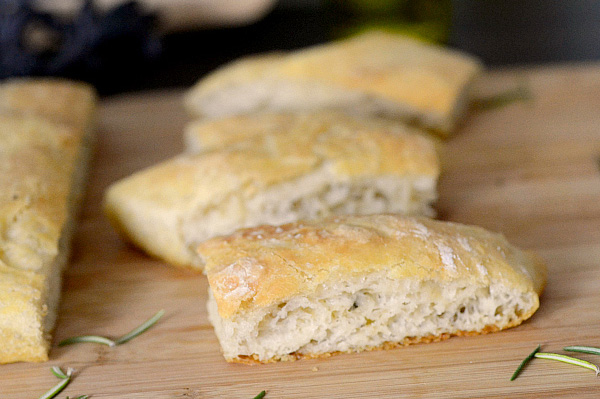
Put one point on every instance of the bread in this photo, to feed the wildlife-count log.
(272, 168)
(44, 143)
(374, 73)
(354, 283)
(57, 100)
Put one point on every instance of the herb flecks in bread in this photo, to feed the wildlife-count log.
(357, 283)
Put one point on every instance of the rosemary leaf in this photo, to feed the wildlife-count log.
(519, 93)
(55, 390)
(80, 397)
(583, 349)
(143, 327)
(87, 338)
(58, 372)
(107, 341)
(524, 362)
(261, 395)
(569, 360)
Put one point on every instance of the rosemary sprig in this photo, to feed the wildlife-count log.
(65, 379)
(57, 371)
(107, 341)
(524, 362)
(583, 349)
(519, 93)
(569, 360)
(261, 395)
(96, 339)
(143, 327)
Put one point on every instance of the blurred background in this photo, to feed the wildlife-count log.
(122, 46)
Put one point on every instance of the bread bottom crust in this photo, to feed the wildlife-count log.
(253, 359)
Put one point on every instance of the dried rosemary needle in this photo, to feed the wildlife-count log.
(65, 379)
(521, 92)
(142, 328)
(569, 360)
(583, 349)
(261, 395)
(109, 342)
(524, 363)
(87, 338)
(561, 358)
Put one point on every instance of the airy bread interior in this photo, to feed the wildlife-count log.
(368, 312)
(273, 169)
(279, 95)
(312, 196)
(354, 283)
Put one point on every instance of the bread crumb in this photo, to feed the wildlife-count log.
(314, 369)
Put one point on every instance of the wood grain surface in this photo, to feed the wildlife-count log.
(530, 170)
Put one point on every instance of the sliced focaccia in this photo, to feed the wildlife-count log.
(273, 168)
(375, 73)
(355, 283)
(44, 144)
(64, 102)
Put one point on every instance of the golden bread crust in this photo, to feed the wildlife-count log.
(258, 267)
(386, 65)
(423, 80)
(65, 102)
(43, 135)
(22, 336)
(244, 70)
(357, 146)
(242, 156)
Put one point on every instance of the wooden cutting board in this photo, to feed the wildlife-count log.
(530, 169)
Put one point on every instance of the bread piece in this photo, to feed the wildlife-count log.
(374, 73)
(44, 127)
(355, 283)
(64, 102)
(273, 169)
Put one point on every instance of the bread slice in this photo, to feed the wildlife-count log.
(375, 73)
(44, 145)
(64, 102)
(273, 169)
(355, 283)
